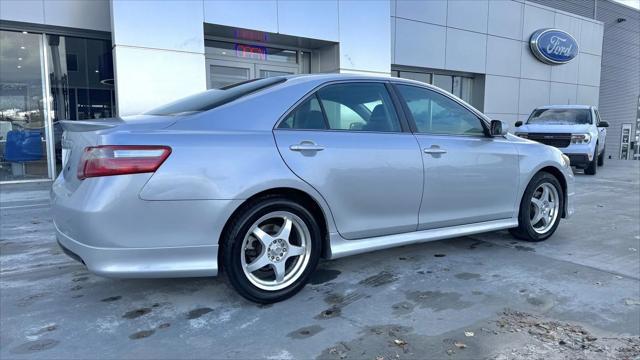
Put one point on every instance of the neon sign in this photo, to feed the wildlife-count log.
(251, 52)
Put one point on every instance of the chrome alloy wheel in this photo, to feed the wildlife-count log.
(545, 206)
(276, 250)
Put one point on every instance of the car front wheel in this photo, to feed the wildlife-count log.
(271, 250)
(540, 208)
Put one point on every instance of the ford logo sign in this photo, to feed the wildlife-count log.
(552, 46)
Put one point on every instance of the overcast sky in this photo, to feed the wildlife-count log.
(632, 3)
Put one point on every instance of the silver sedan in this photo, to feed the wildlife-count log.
(262, 179)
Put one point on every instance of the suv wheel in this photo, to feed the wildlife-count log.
(601, 157)
(540, 208)
(271, 249)
(592, 168)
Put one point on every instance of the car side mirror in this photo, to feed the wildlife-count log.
(497, 128)
(518, 123)
(603, 124)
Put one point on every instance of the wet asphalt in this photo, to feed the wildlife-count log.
(410, 302)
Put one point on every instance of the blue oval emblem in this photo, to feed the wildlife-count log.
(553, 46)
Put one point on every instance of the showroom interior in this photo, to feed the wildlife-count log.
(124, 57)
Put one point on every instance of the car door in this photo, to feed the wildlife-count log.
(469, 177)
(347, 141)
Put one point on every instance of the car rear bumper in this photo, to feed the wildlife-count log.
(105, 224)
(143, 263)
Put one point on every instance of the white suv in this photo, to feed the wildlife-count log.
(575, 129)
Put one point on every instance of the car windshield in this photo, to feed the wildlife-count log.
(560, 116)
(210, 99)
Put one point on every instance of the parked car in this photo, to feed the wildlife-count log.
(575, 129)
(264, 178)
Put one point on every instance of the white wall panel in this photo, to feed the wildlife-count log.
(393, 40)
(505, 19)
(22, 10)
(562, 94)
(468, 15)
(588, 69)
(532, 68)
(501, 94)
(364, 40)
(312, 19)
(249, 14)
(591, 35)
(433, 11)
(426, 47)
(536, 18)
(172, 24)
(145, 78)
(533, 93)
(466, 51)
(569, 24)
(94, 14)
(588, 95)
(567, 73)
(503, 56)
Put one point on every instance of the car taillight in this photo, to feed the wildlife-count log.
(107, 160)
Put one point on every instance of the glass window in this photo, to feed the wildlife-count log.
(444, 82)
(23, 144)
(252, 52)
(435, 113)
(424, 77)
(221, 76)
(359, 106)
(560, 116)
(306, 116)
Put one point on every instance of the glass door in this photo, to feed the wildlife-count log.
(265, 71)
(25, 130)
(221, 73)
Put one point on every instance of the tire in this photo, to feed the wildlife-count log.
(592, 168)
(601, 157)
(539, 231)
(295, 256)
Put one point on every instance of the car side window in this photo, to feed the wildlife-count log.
(359, 107)
(307, 115)
(597, 117)
(435, 113)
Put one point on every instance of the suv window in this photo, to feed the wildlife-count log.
(435, 113)
(210, 99)
(351, 106)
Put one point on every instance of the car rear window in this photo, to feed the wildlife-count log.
(211, 99)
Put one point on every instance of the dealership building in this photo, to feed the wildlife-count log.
(77, 60)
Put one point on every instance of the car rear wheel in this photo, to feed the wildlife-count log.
(271, 250)
(540, 208)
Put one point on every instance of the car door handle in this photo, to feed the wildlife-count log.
(435, 151)
(306, 146)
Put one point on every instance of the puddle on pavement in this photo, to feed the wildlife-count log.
(305, 332)
(136, 313)
(196, 313)
(322, 276)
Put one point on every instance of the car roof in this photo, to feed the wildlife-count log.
(565, 107)
(322, 78)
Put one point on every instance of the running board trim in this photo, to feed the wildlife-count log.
(341, 247)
